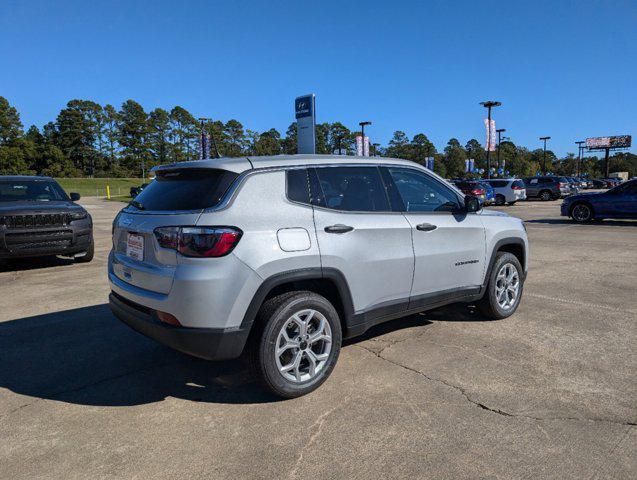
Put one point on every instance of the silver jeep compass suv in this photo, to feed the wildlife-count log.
(283, 257)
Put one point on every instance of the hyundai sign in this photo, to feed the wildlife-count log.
(304, 111)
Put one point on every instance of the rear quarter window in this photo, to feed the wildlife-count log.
(187, 189)
(298, 186)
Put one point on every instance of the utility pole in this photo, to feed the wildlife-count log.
(489, 105)
(544, 156)
(579, 157)
(500, 130)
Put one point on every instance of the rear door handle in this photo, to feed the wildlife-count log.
(338, 228)
(426, 227)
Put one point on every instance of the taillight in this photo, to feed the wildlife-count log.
(199, 241)
(515, 187)
(561, 185)
(477, 191)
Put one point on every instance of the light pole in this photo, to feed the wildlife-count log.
(544, 155)
(579, 157)
(202, 138)
(500, 130)
(489, 105)
(362, 124)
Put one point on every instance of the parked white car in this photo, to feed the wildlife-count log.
(508, 190)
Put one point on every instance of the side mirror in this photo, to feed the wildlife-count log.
(75, 197)
(471, 203)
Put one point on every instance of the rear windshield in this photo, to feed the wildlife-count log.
(31, 191)
(188, 189)
(518, 183)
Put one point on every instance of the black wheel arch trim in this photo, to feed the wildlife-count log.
(517, 241)
(313, 273)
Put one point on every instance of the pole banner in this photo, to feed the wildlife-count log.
(491, 136)
(366, 146)
(359, 145)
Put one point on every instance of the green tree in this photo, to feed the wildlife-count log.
(10, 124)
(421, 148)
(132, 136)
(235, 139)
(159, 136)
(76, 134)
(288, 144)
(183, 134)
(398, 145)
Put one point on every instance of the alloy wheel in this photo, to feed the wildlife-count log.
(507, 286)
(303, 346)
(581, 213)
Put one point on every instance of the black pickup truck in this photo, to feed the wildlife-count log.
(38, 218)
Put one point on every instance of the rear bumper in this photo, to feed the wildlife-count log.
(206, 343)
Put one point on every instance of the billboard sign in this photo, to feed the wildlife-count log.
(601, 143)
(305, 113)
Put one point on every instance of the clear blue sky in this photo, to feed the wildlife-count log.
(567, 69)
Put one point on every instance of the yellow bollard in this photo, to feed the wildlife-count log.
(108, 192)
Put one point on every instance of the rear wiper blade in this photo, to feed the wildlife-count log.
(137, 205)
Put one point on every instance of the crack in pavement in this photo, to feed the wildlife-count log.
(482, 405)
(319, 422)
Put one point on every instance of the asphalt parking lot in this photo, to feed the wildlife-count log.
(547, 393)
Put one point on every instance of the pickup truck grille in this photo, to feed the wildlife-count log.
(35, 220)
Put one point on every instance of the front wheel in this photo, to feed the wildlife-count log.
(504, 289)
(297, 343)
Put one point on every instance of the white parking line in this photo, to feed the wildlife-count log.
(576, 302)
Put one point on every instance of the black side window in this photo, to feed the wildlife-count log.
(354, 189)
(546, 180)
(298, 189)
(422, 193)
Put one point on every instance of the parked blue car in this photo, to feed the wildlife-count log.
(618, 202)
(489, 193)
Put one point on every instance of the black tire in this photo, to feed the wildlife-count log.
(546, 195)
(512, 203)
(271, 319)
(489, 305)
(90, 253)
(499, 199)
(582, 212)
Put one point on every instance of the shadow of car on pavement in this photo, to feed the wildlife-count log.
(86, 356)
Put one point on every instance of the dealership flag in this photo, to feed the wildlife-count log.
(490, 129)
(359, 145)
(366, 146)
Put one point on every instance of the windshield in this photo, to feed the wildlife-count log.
(187, 189)
(31, 191)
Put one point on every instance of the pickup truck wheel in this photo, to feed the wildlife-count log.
(545, 195)
(297, 343)
(504, 289)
